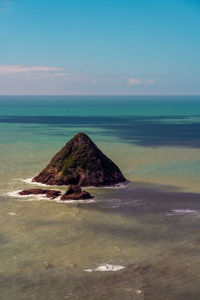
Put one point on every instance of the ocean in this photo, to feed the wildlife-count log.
(134, 241)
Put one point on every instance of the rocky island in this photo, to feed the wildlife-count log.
(80, 162)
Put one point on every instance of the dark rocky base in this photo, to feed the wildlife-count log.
(46, 179)
(74, 192)
(82, 196)
(52, 194)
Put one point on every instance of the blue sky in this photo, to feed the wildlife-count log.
(99, 47)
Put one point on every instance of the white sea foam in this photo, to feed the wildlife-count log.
(182, 212)
(12, 214)
(41, 197)
(32, 197)
(29, 181)
(78, 201)
(106, 268)
(116, 186)
(138, 292)
(14, 194)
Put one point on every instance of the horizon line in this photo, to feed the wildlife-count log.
(102, 95)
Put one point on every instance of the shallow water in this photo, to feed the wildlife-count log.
(150, 226)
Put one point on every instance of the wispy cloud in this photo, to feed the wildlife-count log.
(41, 79)
(20, 69)
(140, 81)
(6, 5)
(38, 73)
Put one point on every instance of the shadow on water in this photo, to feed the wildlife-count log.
(139, 198)
(147, 281)
(153, 205)
(151, 131)
(174, 275)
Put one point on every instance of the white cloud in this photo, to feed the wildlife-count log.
(61, 75)
(36, 79)
(135, 81)
(20, 69)
(139, 81)
(5, 4)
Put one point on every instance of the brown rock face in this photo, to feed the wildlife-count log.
(82, 163)
(74, 192)
(52, 194)
(73, 189)
(33, 192)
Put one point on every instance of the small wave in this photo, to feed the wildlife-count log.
(106, 268)
(12, 214)
(29, 181)
(14, 194)
(35, 197)
(29, 197)
(116, 206)
(79, 201)
(116, 203)
(122, 185)
(43, 198)
(138, 292)
(182, 212)
(116, 186)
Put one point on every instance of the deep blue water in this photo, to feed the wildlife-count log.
(145, 121)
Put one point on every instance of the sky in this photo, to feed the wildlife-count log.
(102, 47)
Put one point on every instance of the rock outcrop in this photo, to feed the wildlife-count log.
(52, 194)
(80, 162)
(74, 192)
(32, 192)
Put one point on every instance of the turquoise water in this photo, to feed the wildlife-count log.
(150, 227)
